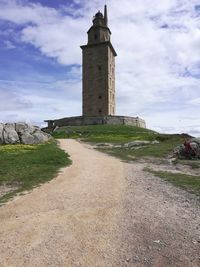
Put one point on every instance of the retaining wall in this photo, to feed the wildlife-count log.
(97, 120)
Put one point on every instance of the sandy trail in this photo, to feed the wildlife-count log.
(100, 212)
(69, 221)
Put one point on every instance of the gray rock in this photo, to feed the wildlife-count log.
(155, 142)
(103, 144)
(1, 133)
(36, 136)
(40, 137)
(20, 127)
(188, 150)
(9, 126)
(10, 136)
(24, 127)
(12, 133)
(196, 140)
(26, 138)
(136, 143)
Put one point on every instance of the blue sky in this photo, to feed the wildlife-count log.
(157, 67)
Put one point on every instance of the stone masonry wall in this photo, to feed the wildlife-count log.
(96, 120)
(98, 80)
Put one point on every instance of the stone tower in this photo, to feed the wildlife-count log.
(99, 69)
(98, 81)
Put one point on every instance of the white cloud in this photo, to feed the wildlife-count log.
(11, 100)
(158, 46)
(54, 99)
(57, 40)
(9, 45)
(195, 101)
(55, 35)
(19, 13)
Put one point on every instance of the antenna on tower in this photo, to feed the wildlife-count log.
(105, 15)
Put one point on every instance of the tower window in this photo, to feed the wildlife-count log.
(100, 97)
(100, 110)
(99, 67)
(95, 37)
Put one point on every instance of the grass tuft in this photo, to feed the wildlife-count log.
(105, 133)
(187, 182)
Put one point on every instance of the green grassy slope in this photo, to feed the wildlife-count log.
(189, 183)
(105, 133)
(27, 166)
(120, 134)
(123, 134)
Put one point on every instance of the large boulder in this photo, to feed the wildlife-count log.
(34, 137)
(40, 137)
(10, 136)
(27, 138)
(31, 134)
(13, 133)
(21, 127)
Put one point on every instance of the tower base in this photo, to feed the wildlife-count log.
(96, 120)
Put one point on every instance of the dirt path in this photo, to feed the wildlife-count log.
(100, 212)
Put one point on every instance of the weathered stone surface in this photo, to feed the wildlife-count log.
(196, 140)
(155, 142)
(27, 138)
(22, 127)
(40, 137)
(10, 136)
(189, 150)
(1, 133)
(12, 133)
(96, 120)
(9, 126)
(136, 143)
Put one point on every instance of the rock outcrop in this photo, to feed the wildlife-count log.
(137, 143)
(16, 133)
(189, 150)
(10, 136)
(1, 133)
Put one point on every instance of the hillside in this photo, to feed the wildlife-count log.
(101, 212)
(116, 135)
(142, 145)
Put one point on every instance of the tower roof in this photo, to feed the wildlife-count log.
(98, 15)
(99, 18)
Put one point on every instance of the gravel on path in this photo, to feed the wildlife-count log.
(100, 212)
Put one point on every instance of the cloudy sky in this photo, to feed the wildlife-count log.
(157, 67)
